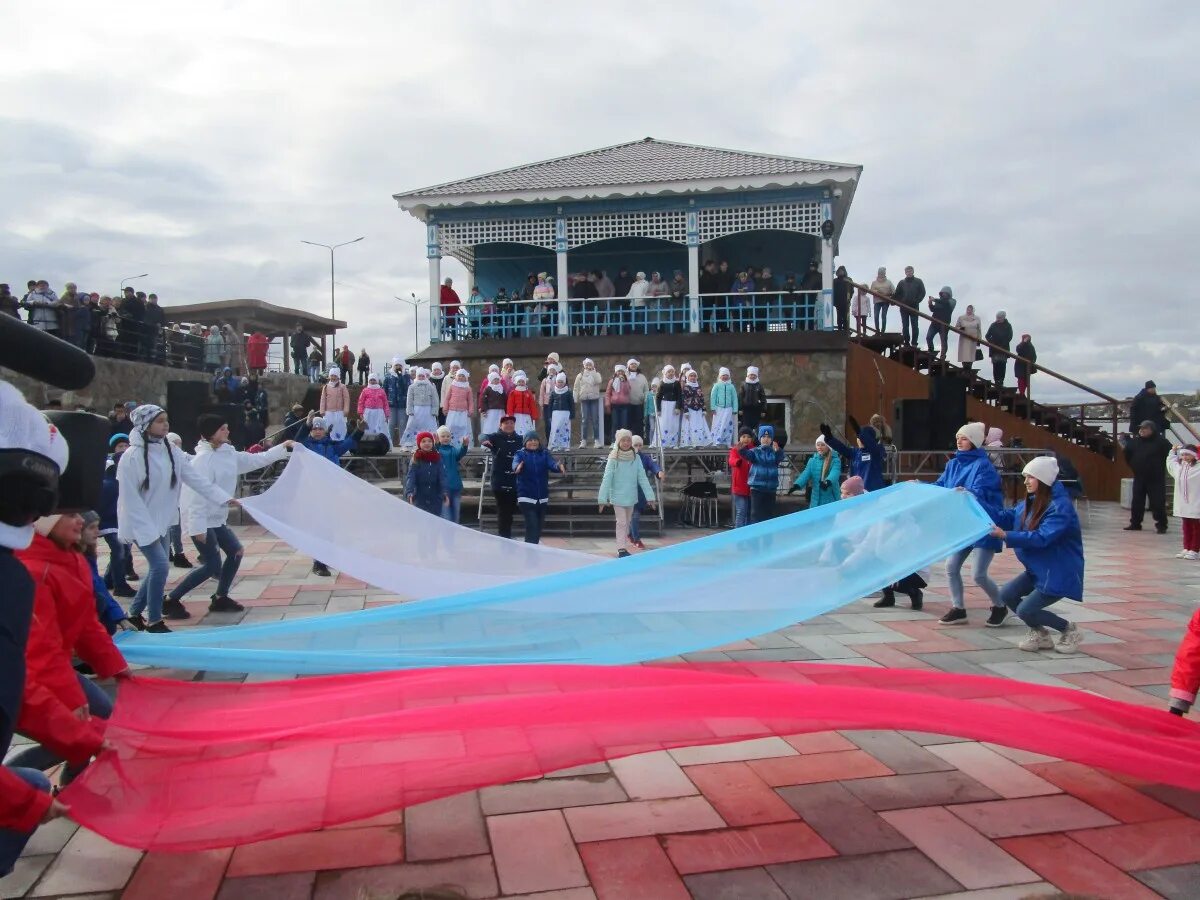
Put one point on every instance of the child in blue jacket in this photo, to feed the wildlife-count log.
(425, 485)
(533, 465)
(451, 455)
(822, 473)
(764, 460)
(866, 460)
(1043, 529)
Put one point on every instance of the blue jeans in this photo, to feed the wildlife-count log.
(114, 575)
(535, 518)
(13, 842)
(175, 534)
(741, 511)
(397, 421)
(38, 757)
(983, 559)
(211, 564)
(1029, 604)
(620, 418)
(589, 427)
(450, 510)
(150, 593)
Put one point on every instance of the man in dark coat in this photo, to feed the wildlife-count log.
(1147, 405)
(941, 308)
(503, 445)
(999, 333)
(909, 295)
(1147, 456)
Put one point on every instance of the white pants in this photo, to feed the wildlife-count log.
(490, 423)
(560, 430)
(422, 419)
(668, 424)
(524, 424)
(336, 422)
(694, 432)
(459, 423)
(376, 422)
(723, 426)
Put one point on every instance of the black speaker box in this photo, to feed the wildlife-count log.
(910, 425)
(947, 409)
(87, 440)
(186, 400)
(312, 397)
(372, 445)
(234, 414)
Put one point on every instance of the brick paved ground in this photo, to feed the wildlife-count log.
(857, 815)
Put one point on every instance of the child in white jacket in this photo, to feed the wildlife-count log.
(1184, 469)
(150, 475)
(217, 461)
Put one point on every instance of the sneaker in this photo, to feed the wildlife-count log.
(954, 616)
(1161, 529)
(621, 554)
(159, 627)
(321, 569)
(1132, 528)
(180, 561)
(1191, 554)
(997, 617)
(642, 546)
(917, 598)
(224, 604)
(582, 444)
(137, 622)
(124, 591)
(1070, 640)
(595, 445)
(1182, 554)
(1037, 639)
(174, 609)
(131, 576)
(886, 601)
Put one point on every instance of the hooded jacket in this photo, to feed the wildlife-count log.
(396, 387)
(587, 385)
(1146, 406)
(1187, 487)
(824, 490)
(503, 447)
(739, 473)
(451, 454)
(753, 396)
(1147, 456)
(64, 624)
(335, 398)
(973, 470)
(221, 467)
(422, 393)
(622, 480)
(1000, 333)
(866, 461)
(723, 395)
(1053, 552)
(764, 465)
(327, 447)
(523, 403)
(533, 481)
(426, 483)
(144, 516)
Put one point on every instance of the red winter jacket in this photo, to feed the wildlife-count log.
(523, 402)
(256, 350)
(740, 470)
(1185, 677)
(64, 623)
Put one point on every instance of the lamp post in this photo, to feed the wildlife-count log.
(131, 278)
(416, 305)
(332, 298)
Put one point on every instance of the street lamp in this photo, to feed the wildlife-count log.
(332, 304)
(416, 305)
(130, 278)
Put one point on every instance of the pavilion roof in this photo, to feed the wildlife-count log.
(673, 166)
(252, 315)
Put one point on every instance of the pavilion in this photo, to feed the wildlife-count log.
(645, 205)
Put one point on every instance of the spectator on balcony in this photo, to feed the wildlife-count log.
(195, 345)
(449, 301)
(344, 360)
(1024, 367)
(107, 328)
(43, 307)
(299, 342)
(941, 308)
(999, 333)
(78, 322)
(543, 305)
(710, 289)
(740, 302)
(585, 311)
(618, 308)
(882, 285)
(604, 285)
(843, 286)
(909, 295)
(503, 314)
(766, 303)
(153, 322)
(363, 366)
(1148, 405)
(656, 304)
(256, 353)
(9, 304)
(214, 350)
(676, 317)
(968, 348)
(315, 360)
(235, 347)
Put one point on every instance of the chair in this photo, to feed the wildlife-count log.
(699, 508)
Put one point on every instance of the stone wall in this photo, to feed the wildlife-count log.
(120, 380)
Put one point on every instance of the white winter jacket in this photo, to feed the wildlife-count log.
(1187, 487)
(144, 516)
(220, 466)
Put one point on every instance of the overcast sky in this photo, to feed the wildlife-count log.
(1038, 158)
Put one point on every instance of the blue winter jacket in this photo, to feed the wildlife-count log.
(109, 491)
(327, 447)
(973, 470)
(764, 467)
(396, 388)
(811, 476)
(108, 609)
(451, 454)
(1053, 552)
(650, 464)
(533, 481)
(866, 461)
(426, 484)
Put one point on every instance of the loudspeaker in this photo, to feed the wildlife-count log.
(312, 397)
(185, 402)
(234, 415)
(910, 425)
(947, 410)
(372, 445)
(87, 440)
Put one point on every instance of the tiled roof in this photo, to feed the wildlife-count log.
(637, 162)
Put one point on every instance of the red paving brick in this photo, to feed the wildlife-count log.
(534, 852)
(191, 876)
(818, 767)
(739, 795)
(879, 876)
(819, 742)
(1104, 793)
(640, 818)
(1073, 868)
(336, 849)
(734, 848)
(632, 867)
(1145, 845)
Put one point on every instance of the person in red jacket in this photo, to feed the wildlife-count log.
(256, 353)
(450, 302)
(1185, 677)
(60, 709)
(739, 470)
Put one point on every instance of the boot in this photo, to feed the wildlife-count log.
(319, 568)
(224, 603)
(887, 600)
(917, 598)
(174, 609)
(179, 561)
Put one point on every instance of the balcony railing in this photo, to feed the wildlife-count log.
(760, 311)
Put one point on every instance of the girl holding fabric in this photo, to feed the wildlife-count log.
(587, 395)
(492, 404)
(723, 398)
(425, 484)
(667, 407)
(624, 476)
(654, 473)
(562, 410)
(972, 471)
(822, 473)
(533, 465)
(1043, 529)
(451, 455)
(335, 404)
(420, 404)
(459, 407)
(693, 430)
(150, 475)
(522, 405)
(616, 399)
(373, 408)
(866, 460)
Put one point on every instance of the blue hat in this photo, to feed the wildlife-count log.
(120, 436)
(531, 436)
(767, 430)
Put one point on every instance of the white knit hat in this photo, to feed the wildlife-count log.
(820, 441)
(24, 428)
(722, 371)
(751, 370)
(45, 524)
(973, 432)
(1043, 468)
(318, 422)
(335, 372)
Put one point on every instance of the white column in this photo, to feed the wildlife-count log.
(827, 316)
(434, 252)
(564, 289)
(693, 245)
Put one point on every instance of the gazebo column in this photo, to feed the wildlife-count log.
(693, 245)
(433, 252)
(564, 289)
(827, 317)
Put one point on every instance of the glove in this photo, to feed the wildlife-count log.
(793, 489)
(854, 424)
(826, 430)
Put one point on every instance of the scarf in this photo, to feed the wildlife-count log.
(622, 455)
(427, 456)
